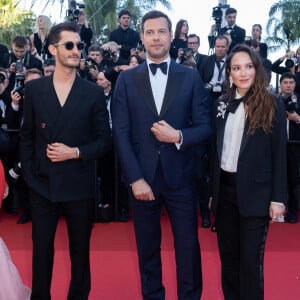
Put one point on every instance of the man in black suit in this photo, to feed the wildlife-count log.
(292, 107)
(65, 129)
(20, 55)
(212, 69)
(126, 37)
(193, 42)
(160, 112)
(236, 34)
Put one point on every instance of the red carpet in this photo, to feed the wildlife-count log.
(114, 261)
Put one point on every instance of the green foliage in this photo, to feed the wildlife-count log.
(14, 21)
(283, 25)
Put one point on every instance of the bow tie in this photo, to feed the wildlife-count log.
(163, 66)
(229, 28)
(233, 105)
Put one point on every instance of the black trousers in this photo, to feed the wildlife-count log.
(241, 243)
(293, 169)
(45, 216)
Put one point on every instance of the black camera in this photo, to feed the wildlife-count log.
(19, 84)
(186, 54)
(2, 78)
(108, 54)
(19, 66)
(291, 62)
(90, 63)
(217, 14)
(290, 102)
(73, 13)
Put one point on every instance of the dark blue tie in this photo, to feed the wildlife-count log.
(163, 66)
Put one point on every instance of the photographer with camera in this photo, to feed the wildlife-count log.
(291, 61)
(193, 43)
(236, 34)
(16, 183)
(90, 67)
(212, 69)
(125, 37)
(292, 106)
(18, 61)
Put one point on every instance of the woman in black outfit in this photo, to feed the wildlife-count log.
(40, 38)
(256, 35)
(180, 38)
(249, 172)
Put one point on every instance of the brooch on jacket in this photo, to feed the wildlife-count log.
(221, 109)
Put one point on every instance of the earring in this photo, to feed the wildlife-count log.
(230, 81)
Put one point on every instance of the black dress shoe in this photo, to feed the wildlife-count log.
(291, 218)
(24, 219)
(123, 215)
(206, 221)
(104, 214)
(10, 210)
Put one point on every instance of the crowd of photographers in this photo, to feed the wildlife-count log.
(101, 64)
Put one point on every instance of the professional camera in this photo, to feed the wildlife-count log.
(291, 62)
(186, 53)
(90, 63)
(73, 13)
(2, 78)
(290, 102)
(108, 54)
(217, 15)
(19, 84)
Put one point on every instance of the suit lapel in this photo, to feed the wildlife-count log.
(220, 133)
(144, 88)
(245, 137)
(173, 84)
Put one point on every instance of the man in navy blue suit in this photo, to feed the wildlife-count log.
(160, 112)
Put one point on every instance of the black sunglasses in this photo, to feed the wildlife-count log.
(70, 45)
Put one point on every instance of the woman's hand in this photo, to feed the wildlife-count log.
(276, 211)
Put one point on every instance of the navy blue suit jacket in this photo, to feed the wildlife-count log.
(186, 106)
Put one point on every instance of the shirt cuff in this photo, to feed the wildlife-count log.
(278, 203)
(15, 107)
(178, 145)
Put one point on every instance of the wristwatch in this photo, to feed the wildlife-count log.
(298, 121)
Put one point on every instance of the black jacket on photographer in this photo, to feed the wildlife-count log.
(28, 61)
(292, 104)
(278, 69)
(128, 39)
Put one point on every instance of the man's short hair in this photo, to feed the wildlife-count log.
(190, 36)
(287, 75)
(124, 12)
(19, 41)
(32, 71)
(95, 48)
(155, 14)
(55, 31)
(223, 37)
(230, 10)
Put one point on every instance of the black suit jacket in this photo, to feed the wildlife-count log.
(237, 35)
(82, 122)
(261, 169)
(207, 68)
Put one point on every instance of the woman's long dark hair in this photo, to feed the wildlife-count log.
(178, 28)
(260, 104)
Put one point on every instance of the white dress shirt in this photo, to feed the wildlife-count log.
(233, 134)
(158, 84)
